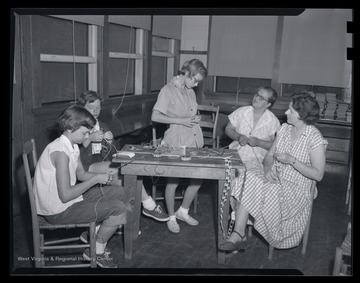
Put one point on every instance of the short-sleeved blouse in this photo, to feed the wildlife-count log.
(45, 186)
(243, 119)
(178, 102)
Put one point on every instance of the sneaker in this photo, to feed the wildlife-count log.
(157, 213)
(173, 226)
(84, 237)
(102, 260)
(186, 217)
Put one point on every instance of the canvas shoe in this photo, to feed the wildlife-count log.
(103, 260)
(173, 226)
(157, 213)
(84, 237)
(186, 217)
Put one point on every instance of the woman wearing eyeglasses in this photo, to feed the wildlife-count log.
(277, 195)
(252, 128)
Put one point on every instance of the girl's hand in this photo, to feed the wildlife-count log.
(284, 158)
(96, 136)
(104, 178)
(197, 119)
(188, 122)
(108, 136)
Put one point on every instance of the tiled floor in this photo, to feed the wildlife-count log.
(193, 250)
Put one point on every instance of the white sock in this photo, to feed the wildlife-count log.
(100, 248)
(172, 218)
(97, 228)
(184, 210)
(149, 203)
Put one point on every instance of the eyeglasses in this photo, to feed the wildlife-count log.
(257, 95)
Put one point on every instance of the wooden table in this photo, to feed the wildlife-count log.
(204, 164)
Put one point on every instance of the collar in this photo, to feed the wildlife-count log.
(72, 148)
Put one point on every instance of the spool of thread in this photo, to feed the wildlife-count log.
(183, 152)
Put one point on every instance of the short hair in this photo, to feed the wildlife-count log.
(272, 91)
(74, 117)
(305, 103)
(88, 96)
(194, 66)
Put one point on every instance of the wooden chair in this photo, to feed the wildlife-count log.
(342, 262)
(40, 225)
(209, 119)
(305, 237)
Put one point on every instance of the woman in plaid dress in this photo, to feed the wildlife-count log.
(277, 195)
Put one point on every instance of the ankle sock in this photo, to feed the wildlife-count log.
(100, 248)
(183, 210)
(149, 203)
(172, 218)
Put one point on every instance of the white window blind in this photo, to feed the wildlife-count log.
(167, 26)
(314, 46)
(87, 19)
(242, 46)
(137, 21)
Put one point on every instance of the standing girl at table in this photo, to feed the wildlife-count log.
(176, 105)
(96, 153)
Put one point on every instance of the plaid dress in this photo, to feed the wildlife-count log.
(281, 210)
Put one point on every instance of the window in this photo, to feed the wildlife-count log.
(68, 63)
(125, 60)
(162, 62)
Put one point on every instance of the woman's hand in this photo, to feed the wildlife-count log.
(284, 158)
(96, 136)
(252, 141)
(243, 140)
(269, 174)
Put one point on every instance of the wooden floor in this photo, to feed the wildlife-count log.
(193, 250)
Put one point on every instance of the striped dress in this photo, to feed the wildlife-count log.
(281, 210)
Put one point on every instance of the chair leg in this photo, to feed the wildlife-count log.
(250, 234)
(271, 252)
(153, 192)
(195, 203)
(92, 236)
(338, 261)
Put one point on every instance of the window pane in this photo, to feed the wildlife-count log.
(63, 75)
(56, 36)
(121, 73)
(158, 73)
(160, 44)
(121, 39)
(243, 85)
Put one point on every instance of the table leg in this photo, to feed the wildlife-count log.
(130, 189)
(137, 207)
(225, 214)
